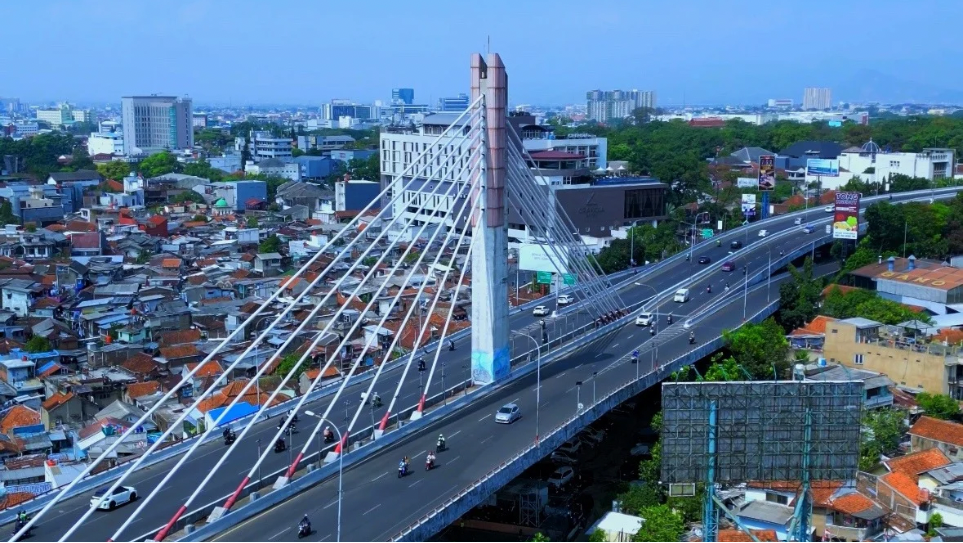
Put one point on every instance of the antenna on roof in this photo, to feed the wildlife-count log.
(489, 46)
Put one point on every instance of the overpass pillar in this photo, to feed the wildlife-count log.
(490, 357)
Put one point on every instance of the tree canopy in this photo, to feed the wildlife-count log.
(799, 296)
(271, 244)
(882, 430)
(939, 406)
(159, 164)
(115, 169)
(759, 348)
(867, 304)
(38, 344)
(660, 523)
(39, 153)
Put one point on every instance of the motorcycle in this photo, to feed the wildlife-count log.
(280, 447)
(441, 445)
(230, 438)
(670, 319)
(329, 438)
(402, 471)
(691, 340)
(429, 464)
(17, 527)
(304, 530)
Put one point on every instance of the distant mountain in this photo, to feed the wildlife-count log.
(875, 86)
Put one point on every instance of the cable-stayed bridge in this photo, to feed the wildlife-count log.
(478, 170)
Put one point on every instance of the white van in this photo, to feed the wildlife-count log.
(681, 296)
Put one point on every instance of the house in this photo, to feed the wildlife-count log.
(876, 386)
(901, 494)
(66, 408)
(86, 244)
(928, 433)
(19, 295)
(20, 373)
(267, 264)
(617, 527)
(178, 355)
(179, 337)
(141, 366)
(20, 419)
(139, 390)
(837, 509)
(308, 377)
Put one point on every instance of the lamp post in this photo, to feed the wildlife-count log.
(578, 396)
(259, 465)
(632, 243)
(538, 381)
(695, 222)
(595, 375)
(322, 420)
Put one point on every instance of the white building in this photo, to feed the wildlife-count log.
(228, 163)
(263, 145)
(105, 143)
(780, 102)
(446, 162)
(817, 98)
(60, 116)
(609, 105)
(932, 164)
(156, 123)
(275, 167)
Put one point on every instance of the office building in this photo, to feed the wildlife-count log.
(57, 117)
(780, 103)
(454, 104)
(156, 123)
(403, 96)
(263, 145)
(603, 106)
(817, 98)
(336, 109)
(199, 120)
(929, 163)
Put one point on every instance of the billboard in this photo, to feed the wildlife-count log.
(748, 203)
(822, 167)
(760, 430)
(747, 182)
(846, 215)
(538, 258)
(767, 172)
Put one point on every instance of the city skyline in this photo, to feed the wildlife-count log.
(698, 60)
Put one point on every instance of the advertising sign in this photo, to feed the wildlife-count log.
(846, 215)
(543, 278)
(746, 182)
(536, 257)
(767, 172)
(748, 203)
(822, 167)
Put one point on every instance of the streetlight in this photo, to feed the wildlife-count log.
(695, 222)
(632, 243)
(538, 381)
(321, 421)
(259, 465)
(595, 375)
(444, 389)
(578, 396)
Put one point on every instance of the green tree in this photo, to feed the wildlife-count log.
(80, 160)
(187, 196)
(940, 406)
(6, 213)
(159, 164)
(660, 523)
(271, 244)
(143, 257)
(115, 169)
(38, 344)
(724, 369)
(598, 535)
(203, 169)
(799, 297)
(539, 536)
(368, 169)
(252, 222)
(199, 218)
(936, 522)
(867, 304)
(295, 152)
(882, 430)
(759, 348)
(287, 364)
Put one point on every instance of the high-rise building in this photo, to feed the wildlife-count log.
(453, 104)
(817, 98)
(404, 96)
(603, 106)
(155, 123)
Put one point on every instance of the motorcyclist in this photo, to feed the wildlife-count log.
(441, 442)
(718, 243)
(402, 466)
(708, 289)
(670, 318)
(305, 524)
(279, 445)
(635, 356)
(22, 517)
(430, 459)
(328, 434)
(451, 345)
(692, 337)
(652, 330)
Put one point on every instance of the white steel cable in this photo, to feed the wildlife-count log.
(357, 362)
(600, 299)
(320, 335)
(566, 221)
(264, 334)
(524, 183)
(397, 337)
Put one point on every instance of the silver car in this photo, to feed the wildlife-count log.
(508, 414)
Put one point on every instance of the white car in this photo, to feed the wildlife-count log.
(571, 447)
(561, 476)
(540, 311)
(830, 209)
(644, 319)
(508, 414)
(763, 233)
(565, 299)
(121, 495)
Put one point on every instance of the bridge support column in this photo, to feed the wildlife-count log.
(490, 355)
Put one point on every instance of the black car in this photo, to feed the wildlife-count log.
(735, 245)
(704, 260)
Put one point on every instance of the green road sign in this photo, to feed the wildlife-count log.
(543, 278)
(568, 278)
(707, 233)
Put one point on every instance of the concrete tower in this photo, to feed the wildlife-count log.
(490, 356)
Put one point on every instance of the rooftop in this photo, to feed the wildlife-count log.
(927, 273)
(938, 430)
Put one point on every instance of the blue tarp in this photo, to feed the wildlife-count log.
(241, 409)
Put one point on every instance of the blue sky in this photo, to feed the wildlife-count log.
(309, 51)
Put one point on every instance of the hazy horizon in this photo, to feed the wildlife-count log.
(306, 53)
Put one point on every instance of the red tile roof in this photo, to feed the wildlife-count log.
(212, 368)
(938, 430)
(86, 240)
(171, 263)
(115, 185)
(815, 327)
(178, 337)
(852, 503)
(138, 390)
(734, 535)
(157, 220)
(19, 416)
(179, 351)
(919, 462)
(57, 400)
(140, 364)
(906, 486)
(81, 226)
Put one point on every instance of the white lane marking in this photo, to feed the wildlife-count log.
(414, 483)
(453, 460)
(379, 477)
(325, 538)
(485, 417)
(486, 439)
(614, 346)
(561, 374)
(372, 509)
(335, 502)
(569, 390)
(277, 534)
(455, 434)
(600, 355)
